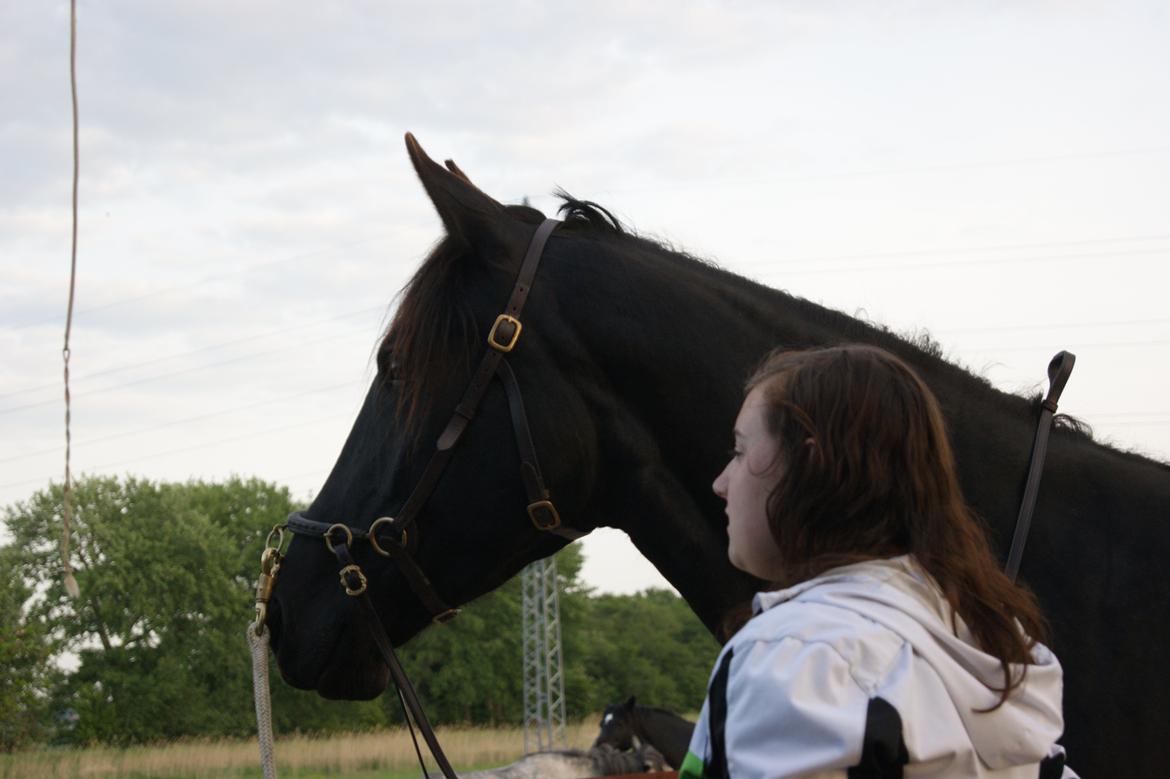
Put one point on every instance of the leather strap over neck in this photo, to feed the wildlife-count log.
(1059, 369)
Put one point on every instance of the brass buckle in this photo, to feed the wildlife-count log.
(373, 536)
(505, 348)
(361, 580)
(446, 616)
(328, 533)
(544, 505)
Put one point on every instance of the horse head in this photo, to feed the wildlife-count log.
(474, 525)
(618, 727)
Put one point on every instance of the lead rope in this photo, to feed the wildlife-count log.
(258, 641)
(258, 636)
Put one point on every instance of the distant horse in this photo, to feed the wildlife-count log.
(629, 725)
(630, 367)
(575, 764)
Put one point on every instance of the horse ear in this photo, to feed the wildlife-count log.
(451, 166)
(467, 212)
(630, 703)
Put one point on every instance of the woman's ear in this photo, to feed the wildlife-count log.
(814, 450)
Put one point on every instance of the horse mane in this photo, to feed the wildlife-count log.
(588, 215)
(434, 331)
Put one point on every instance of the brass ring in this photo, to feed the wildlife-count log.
(329, 532)
(278, 531)
(373, 536)
(361, 580)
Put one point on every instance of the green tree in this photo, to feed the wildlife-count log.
(471, 670)
(649, 644)
(24, 668)
(166, 573)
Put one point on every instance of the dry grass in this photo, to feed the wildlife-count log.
(386, 753)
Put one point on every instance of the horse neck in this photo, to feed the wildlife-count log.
(673, 341)
(651, 721)
(666, 731)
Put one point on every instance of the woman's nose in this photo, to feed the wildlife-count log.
(720, 484)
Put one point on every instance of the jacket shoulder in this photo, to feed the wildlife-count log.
(869, 649)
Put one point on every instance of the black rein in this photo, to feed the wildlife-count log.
(397, 537)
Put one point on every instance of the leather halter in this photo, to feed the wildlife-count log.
(396, 537)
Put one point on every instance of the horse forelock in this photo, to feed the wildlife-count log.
(431, 331)
(434, 330)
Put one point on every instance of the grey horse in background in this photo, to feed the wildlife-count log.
(631, 726)
(576, 764)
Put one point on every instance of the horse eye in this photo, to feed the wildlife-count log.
(388, 366)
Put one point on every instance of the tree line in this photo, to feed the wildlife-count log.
(154, 647)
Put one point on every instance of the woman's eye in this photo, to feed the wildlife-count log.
(734, 453)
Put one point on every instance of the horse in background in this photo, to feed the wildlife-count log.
(598, 760)
(631, 726)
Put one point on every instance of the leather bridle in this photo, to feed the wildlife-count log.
(397, 537)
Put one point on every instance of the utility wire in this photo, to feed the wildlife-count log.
(801, 270)
(186, 420)
(181, 371)
(201, 349)
(997, 247)
(718, 183)
(205, 445)
(200, 282)
(1056, 326)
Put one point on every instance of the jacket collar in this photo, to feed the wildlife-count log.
(878, 570)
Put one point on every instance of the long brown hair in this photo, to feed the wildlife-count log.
(869, 473)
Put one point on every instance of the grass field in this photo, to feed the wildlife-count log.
(386, 754)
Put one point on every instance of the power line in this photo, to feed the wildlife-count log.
(205, 280)
(1056, 326)
(979, 249)
(185, 420)
(201, 349)
(180, 372)
(878, 173)
(1048, 346)
(205, 445)
(799, 269)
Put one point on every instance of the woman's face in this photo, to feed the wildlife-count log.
(745, 484)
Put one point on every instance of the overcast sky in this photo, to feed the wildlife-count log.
(997, 173)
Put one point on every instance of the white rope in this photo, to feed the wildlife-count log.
(259, 645)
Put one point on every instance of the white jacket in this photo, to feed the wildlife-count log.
(858, 673)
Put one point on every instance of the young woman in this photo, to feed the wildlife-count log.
(892, 644)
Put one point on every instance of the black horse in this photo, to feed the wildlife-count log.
(628, 725)
(631, 361)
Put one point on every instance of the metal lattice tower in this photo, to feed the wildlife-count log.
(544, 670)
